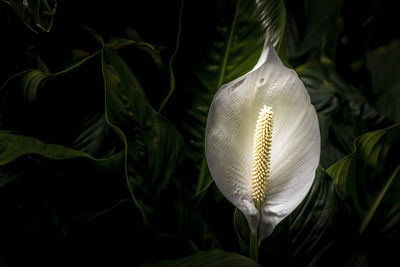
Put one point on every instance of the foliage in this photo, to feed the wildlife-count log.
(102, 117)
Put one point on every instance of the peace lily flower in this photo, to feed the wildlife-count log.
(263, 143)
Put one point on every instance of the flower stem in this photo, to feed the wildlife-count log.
(253, 248)
(255, 239)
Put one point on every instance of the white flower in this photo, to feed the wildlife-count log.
(263, 143)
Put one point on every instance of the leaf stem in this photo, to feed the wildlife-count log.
(75, 65)
(200, 181)
(172, 59)
(228, 46)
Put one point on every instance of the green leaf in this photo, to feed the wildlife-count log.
(151, 149)
(343, 112)
(314, 33)
(117, 43)
(240, 222)
(6, 177)
(319, 232)
(31, 80)
(36, 14)
(32, 100)
(210, 258)
(313, 227)
(54, 169)
(369, 179)
(232, 49)
(152, 144)
(177, 214)
(13, 146)
(383, 64)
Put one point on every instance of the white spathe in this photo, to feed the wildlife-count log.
(295, 148)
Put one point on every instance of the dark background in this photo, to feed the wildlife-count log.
(76, 211)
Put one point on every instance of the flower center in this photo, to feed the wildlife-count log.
(262, 154)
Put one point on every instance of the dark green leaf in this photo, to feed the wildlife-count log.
(13, 146)
(152, 144)
(6, 177)
(369, 181)
(31, 80)
(179, 215)
(210, 258)
(117, 43)
(314, 33)
(319, 232)
(368, 178)
(343, 112)
(383, 65)
(33, 100)
(240, 223)
(321, 227)
(36, 14)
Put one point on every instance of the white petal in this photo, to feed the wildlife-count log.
(295, 140)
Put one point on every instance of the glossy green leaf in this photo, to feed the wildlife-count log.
(383, 64)
(36, 14)
(236, 44)
(368, 178)
(13, 146)
(212, 258)
(343, 112)
(321, 228)
(182, 217)
(317, 35)
(77, 113)
(60, 167)
(152, 144)
(369, 181)
(31, 80)
(117, 43)
(314, 234)
(147, 155)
